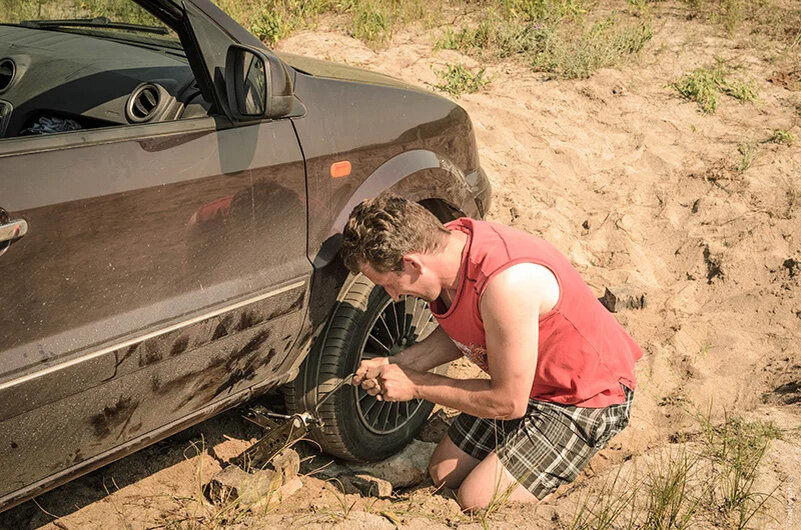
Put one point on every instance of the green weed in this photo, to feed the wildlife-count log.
(740, 90)
(273, 20)
(14, 11)
(700, 86)
(704, 85)
(553, 37)
(544, 10)
(456, 79)
(729, 14)
(782, 136)
(372, 23)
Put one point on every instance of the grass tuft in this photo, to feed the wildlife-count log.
(670, 500)
(553, 37)
(456, 79)
(372, 23)
(736, 448)
(748, 153)
(782, 136)
(572, 53)
(704, 85)
(704, 479)
(604, 508)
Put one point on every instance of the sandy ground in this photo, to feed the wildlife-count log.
(635, 186)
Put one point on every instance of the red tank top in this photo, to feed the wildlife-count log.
(584, 354)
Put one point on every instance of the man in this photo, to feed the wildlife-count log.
(561, 368)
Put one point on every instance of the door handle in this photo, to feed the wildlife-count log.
(10, 230)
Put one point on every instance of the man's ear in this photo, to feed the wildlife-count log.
(414, 262)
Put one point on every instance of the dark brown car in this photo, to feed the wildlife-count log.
(171, 197)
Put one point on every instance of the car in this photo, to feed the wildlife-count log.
(172, 195)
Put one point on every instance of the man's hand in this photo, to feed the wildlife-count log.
(387, 382)
(367, 370)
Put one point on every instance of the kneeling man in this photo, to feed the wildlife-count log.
(561, 368)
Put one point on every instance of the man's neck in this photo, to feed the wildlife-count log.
(451, 264)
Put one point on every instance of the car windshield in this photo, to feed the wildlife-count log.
(119, 19)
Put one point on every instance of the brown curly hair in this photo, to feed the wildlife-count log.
(381, 231)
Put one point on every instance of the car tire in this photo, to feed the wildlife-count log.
(365, 323)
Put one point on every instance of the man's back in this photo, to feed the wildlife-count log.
(583, 353)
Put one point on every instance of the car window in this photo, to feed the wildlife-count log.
(120, 18)
(68, 65)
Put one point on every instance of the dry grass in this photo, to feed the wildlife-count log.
(564, 38)
(706, 478)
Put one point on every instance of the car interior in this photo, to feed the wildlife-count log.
(66, 74)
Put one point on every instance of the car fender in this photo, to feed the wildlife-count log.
(417, 175)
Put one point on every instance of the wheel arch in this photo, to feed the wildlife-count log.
(419, 175)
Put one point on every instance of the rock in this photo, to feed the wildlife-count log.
(346, 485)
(260, 487)
(250, 488)
(622, 297)
(287, 463)
(436, 427)
(278, 496)
(407, 468)
(366, 485)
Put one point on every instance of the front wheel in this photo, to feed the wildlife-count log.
(367, 323)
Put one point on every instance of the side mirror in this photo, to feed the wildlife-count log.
(257, 84)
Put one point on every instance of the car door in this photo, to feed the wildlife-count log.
(163, 272)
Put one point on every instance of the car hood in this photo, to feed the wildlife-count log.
(319, 68)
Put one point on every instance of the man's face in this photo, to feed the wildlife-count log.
(412, 280)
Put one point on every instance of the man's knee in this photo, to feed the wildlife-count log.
(442, 474)
(449, 465)
(470, 497)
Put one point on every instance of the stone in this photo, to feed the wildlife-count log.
(436, 427)
(287, 463)
(346, 485)
(404, 469)
(278, 496)
(370, 486)
(249, 488)
(622, 297)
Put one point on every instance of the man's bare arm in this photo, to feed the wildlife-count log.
(435, 350)
(510, 309)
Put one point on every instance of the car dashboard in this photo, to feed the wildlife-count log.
(56, 81)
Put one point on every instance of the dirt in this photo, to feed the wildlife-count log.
(635, 186)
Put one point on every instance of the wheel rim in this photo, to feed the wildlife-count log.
(397, 326)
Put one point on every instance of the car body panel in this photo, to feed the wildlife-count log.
(171, 272)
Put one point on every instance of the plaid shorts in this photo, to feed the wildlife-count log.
(547, 447)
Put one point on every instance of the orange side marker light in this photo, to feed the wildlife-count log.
(340, 169)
